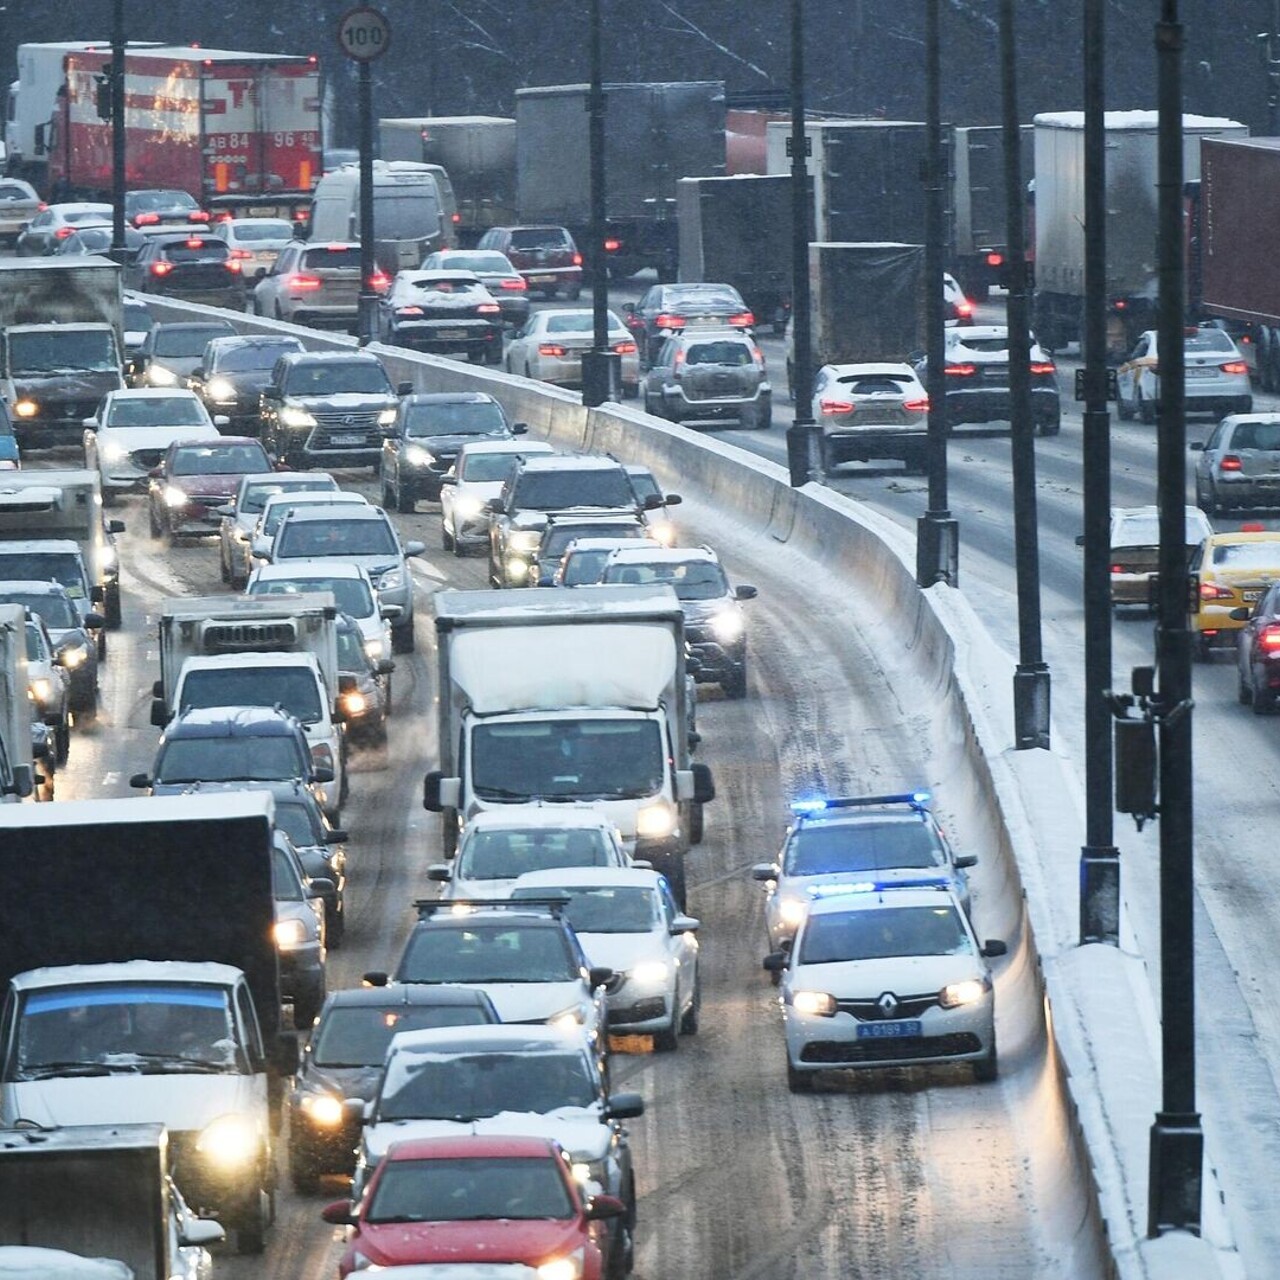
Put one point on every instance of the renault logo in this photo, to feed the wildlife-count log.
(887, 1004)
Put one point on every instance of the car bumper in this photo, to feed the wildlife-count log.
(677, 405)
(552, 277)
(710, 661)
(1234, 490)
(1216, 619)
(994, 404)
(1133, 588)
(447, 337)
(863, 444)
(638, 1012)
(567, 372)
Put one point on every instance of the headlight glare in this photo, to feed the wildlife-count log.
(74, 655)
(467, 506)
(159, 376)
(294, 417)
(26, 408)
(221, 391)
(290, 934)
(791, 910)
(230, 1141)
(656, 821)
(416, 456)
(728, 626)
(567, 1019)
(42, 689)
(568, 1267)
(816, 1003)
(110, 451)
(323, 1109)
(525, 540)
(174, 496)
(355, 703)
(955, 994)
(651, 972)
(387, 417)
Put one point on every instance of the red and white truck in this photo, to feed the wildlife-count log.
(232, 129)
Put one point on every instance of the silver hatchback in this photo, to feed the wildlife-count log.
(710, 374)
(1239, 464)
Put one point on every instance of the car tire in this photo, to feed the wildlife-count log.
(986, 1070)
(697, 823)
(916, 462)
(493, 355)
(224, 569)
(111, 612)
(798, 1081)
(251, 1231)
(630, 390)
(1200, 650)
(1244, 695)
(405, 503)
(689, 1020)
(153, 522)
(335, 926)
(1050, 425)
(447, 541)
(302, 1172)
(62, 742)
(402, 639)
(735, 684)
(667, 1040)
(1262, 701)
(102, 646)
(1146, 410)
(307, 1003)
(1124, 409)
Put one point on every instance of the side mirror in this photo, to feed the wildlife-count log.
(966, 860)
(519, 428)
(337, 835)
(321, 887)
(448, 480)
(339, 1214)
(384, 666)
(603, 1208)
(97, 595)
(1239, 615)
(685, 924)
(440, 872)
(775, 962)
(653, 502)
(765, 871)
(440, 793)
(672, 500)
(221, 420)
(992, 948)
(115, 526)
(1196, 446)
(629, 308)
(598, 976)
(227, 509)
(494, 506)
(375, 978)
(704, 784)
(414, 548)
(745, 593)
(404, 388)
(623, 1106)
(140, 781)
(389, 612)
(94, 621)
(1079, 539)
(91, 423)
(159, 713)
(322, 773)
(157, 689)
(200, 1231)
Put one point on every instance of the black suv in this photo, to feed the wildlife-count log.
(328, 409)
(423, 442)
(234, 372)
(196, 268)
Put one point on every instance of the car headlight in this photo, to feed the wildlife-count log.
(567, 1019)
(650, 973)
(74, 655)
(230, 1141)
(728, 626)
(42, 689)
(525, 540)
(585, 1171)
(467, 507)
(387, 417)
(817, 1003)
(291, 416)
(566, 1267)
(656, 821)
(390, 580)
(416, 456)
(664, 532)
(159, 376)
(970, 991)
(175, 497)
(221, 391)
(791, 910)
(110, 451)
(110, 560)
(517, 569)
(355, 703)
(323, 1109)
(373, 649)
(290, 934)
(26, 408)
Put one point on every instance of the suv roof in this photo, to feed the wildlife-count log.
(569, 462)
(408, 993)
(451, 397)
(292, 358)
(662, 555)
(336, 511)
(233, 722)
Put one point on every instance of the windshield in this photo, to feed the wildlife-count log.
(474, 1086)
(37, 651)
(142, 201)
(1209, 340)
(469, 1190)
(292, 688)
(271, 519)
(286, 884)
(485, 468)
(539, 238)
(187, 339)
(721, 353)
(65, 351)
(584, 568)
(693, 296)
(358, 1035)
(485, 261)
(826, 848)
(505, 854)
(336, 538)
(475, 418)
(1247, 555)
(276, 229)
(691, 579)
(605, 908)
(567, 759)
(580, 322)
(56, 611)
(195, 249)
(883, 932)
(299, 824)
(357, 378)
(521, 952)
(256, 495)
(63, 567)
(137, 319)
(406, 213)
(230, 760)
(149, 1028)
(352, 594)
(258, 355)
(557, 537)
(1144, 531)
(219, 459)
(558, 490)
(156, 411)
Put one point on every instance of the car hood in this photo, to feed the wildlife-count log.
(179, 1102)
(621, 952)
(903, 975)
(67, 386)
(701, 610)
(494, 1240)
(579, 1130)
(182, 365)
(343, 1082)
(137, 439)
(451, 444)
(210, 486)
(530, 1001)
(247, 379)
(345, 402)
(537, 519)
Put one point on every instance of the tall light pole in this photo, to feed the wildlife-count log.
(937, 532)
(1177, 1141)
(119, 250)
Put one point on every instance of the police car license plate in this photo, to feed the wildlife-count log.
(888, 1030)
(346, 440)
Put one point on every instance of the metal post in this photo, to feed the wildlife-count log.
(601, 367)
(368, 264)
(937, 533)
(1272, 42)
(1099, 858)
(118, 182)
(803, 438)
(1031, 678)
(1177, 1142)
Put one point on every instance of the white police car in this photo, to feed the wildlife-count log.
(886, 977)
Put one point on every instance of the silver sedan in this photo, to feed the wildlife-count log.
(549, 347)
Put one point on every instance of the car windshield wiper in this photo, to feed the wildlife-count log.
(177, 1062)
(66, 1069)
(503, 793)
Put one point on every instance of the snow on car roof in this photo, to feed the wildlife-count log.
(555, 817)
(628, 554)
(69, 975)
(506, 446)
(312, 569)
(571, 462)
(484, 1035)
(866, 370)
(553, 877)
(872, 900)
(153, 393)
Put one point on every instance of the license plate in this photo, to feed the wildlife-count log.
(1201, 373)
(888, 1030)
(448, 335)
(542, 279)
(1251, 595)
(347, 439)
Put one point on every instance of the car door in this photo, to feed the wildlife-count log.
(1127, 376)
(1260, 616)
(682, 948)
(518, 346)
(266, 292)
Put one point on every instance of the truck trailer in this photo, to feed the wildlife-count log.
(17, 773)
(981, 207)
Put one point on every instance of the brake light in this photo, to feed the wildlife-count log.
(1235, 366)
(1120, 304)
(1209, 591)
(743, 320)
(241, 254)
(336, 248)
(624, 348)
(518, 284)
(995, 259)
(457, 217)
(1118, 568)
(42, 206)
(679, 358)
(835, 406)
(964, 308)
(146, 220)
(62, 233)
(961, 370)
(551, 349)
(379, 281)
(305, 282)
(410, 311)
(1252, 526)
(916, 406)
(225, 217)
(666, 321)
(161, 268)
(610, 246)
(198, 216)
(1269, 638)
(1230, 462)
(232, 265)
(488, 308)
(194, 242)
(1041, 366)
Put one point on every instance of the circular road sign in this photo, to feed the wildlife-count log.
(364, 34)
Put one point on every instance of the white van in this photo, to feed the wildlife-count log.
(409, 215)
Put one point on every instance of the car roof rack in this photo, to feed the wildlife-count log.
(918, 800)
(428, 907)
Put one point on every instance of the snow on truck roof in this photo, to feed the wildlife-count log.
(1130, 120)
(556, 817)
(137, 809)
(618, 602)
(74, 975)
(113, 1137)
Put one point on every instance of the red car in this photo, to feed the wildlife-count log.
(196, 479)
(477, 1199)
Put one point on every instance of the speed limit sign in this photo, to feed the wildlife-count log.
(364, 34)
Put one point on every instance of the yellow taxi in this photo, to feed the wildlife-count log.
(1230, 571)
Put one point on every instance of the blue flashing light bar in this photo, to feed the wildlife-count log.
(917, 799)
(878, 886)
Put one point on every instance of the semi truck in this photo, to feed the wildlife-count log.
(737, 231)
(477, 152)
(61, 321)
(17, 773)
(981, 208)
(1132, 206)
(655, 134)
(141, 978)
(99, 1191)
(566, 697)
(232, 129)
(264, 650)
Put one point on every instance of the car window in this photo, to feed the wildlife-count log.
(332, 378)
(1209, 340)
(444, 1190)
(286, 884)
(299, 823)
(352, 594)
(256, 355)
(1247, 555)
(197, 249)
(879, 384)
(692, 296)
(237, 759)
(505, 854)
(486, 468)
(883, 932)
(293, 689)
(37, 650)
(606, 908)
(690, 579)
(337, 538)
(156, 411)
(63, 567)
(358, 1035)
(555, 490)
(721, 353)
(266, 229)
(464, 418)
(539, 238)
(826, 848)
(187, 340)
(516, 953)
(218, 460)
(56, 612)
(1256, 435)
(332, 258)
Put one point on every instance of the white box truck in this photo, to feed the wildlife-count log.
(17, 775)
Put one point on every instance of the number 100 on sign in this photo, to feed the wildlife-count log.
(364, 34)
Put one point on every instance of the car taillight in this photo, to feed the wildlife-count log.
(610, 246)
(551, 349)
(517, 284)
(194, 242)
(743, 320)
(961, 370)
(457, 217)
(1118, 568)
(1229, 462)
(379, 281)
(679, 358)
(241, 254)
(224, 217)
(1041, 366)
(42, 206)
(1210, 591)
(995, 259)
(304, 282)
(964, 308)
(410, 311)
(625, 348)
(835, 406)
(146, 220)
(1235, 366)
(1269, 638)
(916, 406)
(62, 233)
(667, 321)
(161, 268)
(198, 216)
(1252, 526)
(232, 265)
(488, 308)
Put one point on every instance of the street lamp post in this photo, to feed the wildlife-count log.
(118, 248)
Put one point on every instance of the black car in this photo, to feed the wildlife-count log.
(75, 638)
(679, 308)
(160, 208)
(328, 409)
(423, 442)
(1258, 653)
(546, 257)
(560, 531)
(195, 268)
(449, 312)
(343, 1060)
(170, 353)
(234, 372)
(364, 688)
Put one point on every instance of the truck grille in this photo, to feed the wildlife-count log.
(234, 637)
(343, 431)
(836, 1052)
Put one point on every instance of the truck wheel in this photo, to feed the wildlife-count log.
(735, 684)
(1146, 410)
(1050, 425)
(404, 501)
(111, 607)
(251, 1231)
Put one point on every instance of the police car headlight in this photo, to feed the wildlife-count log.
(230, 1141)
(955, 994)
(656, 821)
(728, 626)
(416, 456)
(159, 376)
(815, 1003)
(651, 973)
(791, 910)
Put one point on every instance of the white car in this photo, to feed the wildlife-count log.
(871, 411)
(475, 477)
(55, 223)
(242, 512)
(279, 505)
(627, 921)
(549, 347)
(500, 846)
(255, 242)
(886, 978)
(133, 428)
(1217, 376)
(351, 588)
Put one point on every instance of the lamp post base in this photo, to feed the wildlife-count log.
(367, 318)
(1100, 894)
(937, 549)
(801, 446)
(601, 377)
(1175, 1177)
(1031, 706)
